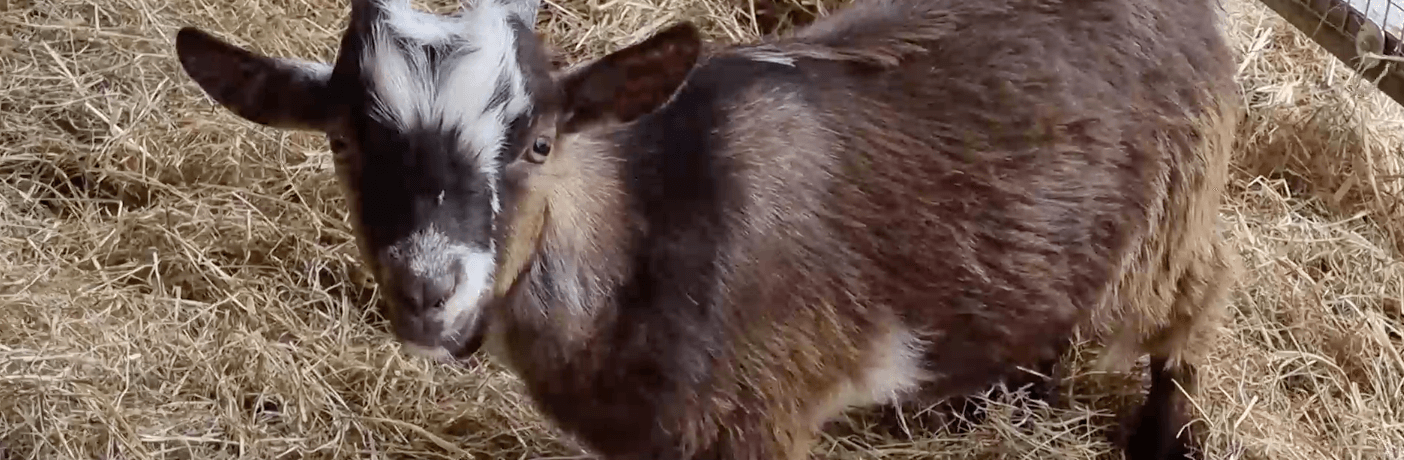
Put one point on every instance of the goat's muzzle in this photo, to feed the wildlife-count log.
(434, 314)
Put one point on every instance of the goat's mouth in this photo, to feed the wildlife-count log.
(472, 341)
(456, 345)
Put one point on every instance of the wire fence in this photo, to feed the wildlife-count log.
(1387, 14)
(1364, 34)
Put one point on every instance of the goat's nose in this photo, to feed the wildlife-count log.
(431, 291)
(422, 292)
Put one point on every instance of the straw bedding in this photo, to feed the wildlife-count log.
(176, 283)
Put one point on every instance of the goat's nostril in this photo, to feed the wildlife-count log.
(437, 290)
(420, 293)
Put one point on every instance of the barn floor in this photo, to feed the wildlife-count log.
(179, 284)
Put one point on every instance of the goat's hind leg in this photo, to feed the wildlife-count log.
(1158, 426)
(1162, 430)
(1044, 385)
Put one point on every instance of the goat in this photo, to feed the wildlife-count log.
(692, 252)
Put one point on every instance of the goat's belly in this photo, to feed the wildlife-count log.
(896, 371)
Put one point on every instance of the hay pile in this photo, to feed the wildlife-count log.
(177, 283)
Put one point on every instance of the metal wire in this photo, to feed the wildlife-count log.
(1349, 17)
(1388, 15)
(1364, 34)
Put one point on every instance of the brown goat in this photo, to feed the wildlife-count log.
(691, 255)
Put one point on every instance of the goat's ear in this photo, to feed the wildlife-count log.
(524, 9)
(277, 92)
(633, 81)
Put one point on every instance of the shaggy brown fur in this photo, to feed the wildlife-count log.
(964, 181)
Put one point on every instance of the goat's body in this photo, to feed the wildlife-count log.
(691, 259)
(806, 227)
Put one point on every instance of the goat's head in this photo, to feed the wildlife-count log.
(435, 122)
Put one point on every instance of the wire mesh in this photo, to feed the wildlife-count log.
(1387, 14)
(1364, 34)
(1382, 22)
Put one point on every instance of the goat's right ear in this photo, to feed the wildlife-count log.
(276, 92)
(633, 81)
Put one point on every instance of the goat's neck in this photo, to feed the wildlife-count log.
(570, 244)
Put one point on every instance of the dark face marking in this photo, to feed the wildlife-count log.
(423, 112)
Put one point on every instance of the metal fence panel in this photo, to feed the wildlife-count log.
(1355, 31)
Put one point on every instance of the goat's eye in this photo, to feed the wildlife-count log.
(337, 143)
(539, 149)
(542, 146)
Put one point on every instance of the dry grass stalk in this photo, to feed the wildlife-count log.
(177, 283)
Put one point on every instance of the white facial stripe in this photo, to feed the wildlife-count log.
(456, 95)
(475, 277)
(429, 252)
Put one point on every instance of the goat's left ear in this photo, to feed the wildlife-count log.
(278, 92)
(633, 81)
